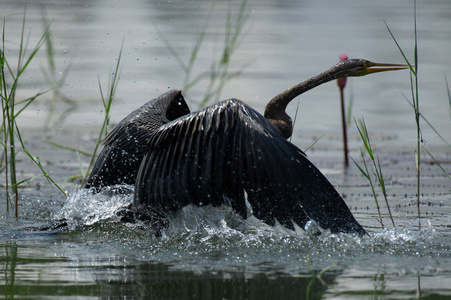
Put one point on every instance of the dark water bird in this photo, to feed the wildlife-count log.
(226, 153)
(341, 82)
(126, 144)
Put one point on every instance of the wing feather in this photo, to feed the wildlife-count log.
(221, 153)
(126, 144)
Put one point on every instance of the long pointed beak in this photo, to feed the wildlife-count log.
(381, 67)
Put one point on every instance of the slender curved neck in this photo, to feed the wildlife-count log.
(275, 109)
(279, 103)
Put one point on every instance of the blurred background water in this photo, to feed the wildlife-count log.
(284, 42)
(217, 255)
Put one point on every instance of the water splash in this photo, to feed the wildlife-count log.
(206, 235)
(83, 207)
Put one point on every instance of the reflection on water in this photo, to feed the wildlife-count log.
(144, 280)
(211, 252)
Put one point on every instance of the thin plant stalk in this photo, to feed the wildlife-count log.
(366, 174)
(52, 78)
(107, 101)
(447, 174)
(376, 169)
(416, 106)
(69, 148)
(232, 37)
(416, 102)
(77, 152)
(218, 75)
(3, 92)
(10, 130)
(344, 128)
(341, 83)
(380, 177)
(295, 118)
(313, 144)
(9, 103)
(294, 123)
(449, 94)
(437, 162)
(430, 124)
(37, 162)
(314, 275)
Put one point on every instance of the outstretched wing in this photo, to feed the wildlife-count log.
(221, 153)
(125, 146)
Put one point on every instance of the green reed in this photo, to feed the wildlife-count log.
(54, 78)
(107, 100)
(219, 74)
(12, 108)
(314, 275)
(375, 169)
(9, 106)
(426, 149)
(415, 104)
(448, 93)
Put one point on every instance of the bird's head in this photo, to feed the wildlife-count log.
(275, 109)
(362, 67)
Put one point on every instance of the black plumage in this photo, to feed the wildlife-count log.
(223, 154)
(226, 151)
(125, 145)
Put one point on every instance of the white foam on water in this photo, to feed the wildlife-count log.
(210, 229)
(83, 207)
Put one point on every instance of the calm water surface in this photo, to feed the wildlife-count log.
(210, 252)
